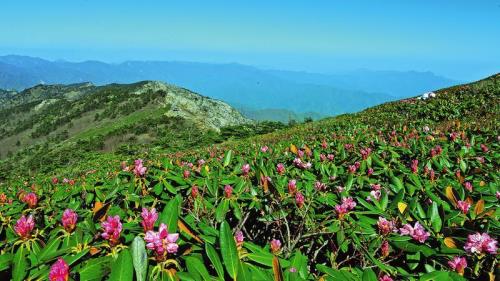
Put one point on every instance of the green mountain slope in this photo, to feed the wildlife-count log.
(58, 120)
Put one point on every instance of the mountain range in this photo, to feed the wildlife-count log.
(258, 92)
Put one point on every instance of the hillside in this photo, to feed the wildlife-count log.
(406, 190)
(242, 85)
(60, 120)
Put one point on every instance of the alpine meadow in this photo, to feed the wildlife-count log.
(219, 140)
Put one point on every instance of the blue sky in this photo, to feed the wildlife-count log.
(458, 39)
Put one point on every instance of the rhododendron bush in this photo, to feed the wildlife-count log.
(350, 198)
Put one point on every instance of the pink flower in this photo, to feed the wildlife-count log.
(319, 186)
(300, 153)
(322, 157)
(365, 152)
(463, 206)
(341, 210)
(484, 148)
(292, 186)
(369, 172)
(186, 174)
(148, 219)
(31, 199)
(194, 191)
(497, 194)
(458, 264)
(339, 188)
(468, 186)
(385, 277)
(481, 243)
(299, 164)
(69, 219)
(24, 226)
(264, 148)
(299, 199)
(324, 144)
(162, 242)
(352, 169)
(112, 228)
(414, 166)
(59, 271)
(245, 169)
(417, 232)
(201, 162)
(330, 157)
(384, 248)
(55, 180)
(139, 169)
(228, 191)
(275, 246)
(238, 237)
(376, 194)
(349, 203)
(280, 168)
(384, 226)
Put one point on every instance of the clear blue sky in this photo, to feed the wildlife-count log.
(455, 38)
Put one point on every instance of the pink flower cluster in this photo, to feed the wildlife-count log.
(481, 243)
(414, 166)
(385, 226)
(463, 206)
(139, 169)
(239, 238)
(458, 264)
(365, 152)
(112, 228)
(162, 242)
(245, 169)
(280, 168)
(375, 193)
(228, 191)
(24, 226)
(59, 271)
(69, 219)
(31, 199)
(436, 150)
(417, 232)
(347, 205)
(275, 246)
(301, 165)
(148, 219)
(292, 187)
(319, 186)
(299, 199)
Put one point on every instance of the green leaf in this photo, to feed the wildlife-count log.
(215, 259)
(196, 267)
(413, 248)
(369, 275)
(139, 258)
(121, 270)
(95, 269)
(435, 218)
(228, 249)
(19, 264)
(222, 209)
(5, 261)
(227, 158)
(50, 250)
(170, 215)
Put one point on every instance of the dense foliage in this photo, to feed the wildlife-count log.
(406, 190)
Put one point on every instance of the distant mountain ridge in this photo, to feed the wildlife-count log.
(236, 84)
